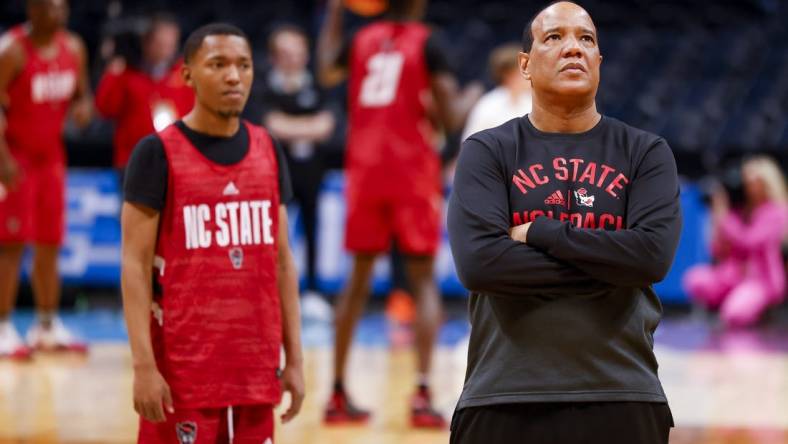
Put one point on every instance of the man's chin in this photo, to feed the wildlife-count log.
(230, 113)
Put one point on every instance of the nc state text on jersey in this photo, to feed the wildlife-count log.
(229, 224)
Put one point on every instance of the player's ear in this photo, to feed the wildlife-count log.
(186, 75)
(522, 60)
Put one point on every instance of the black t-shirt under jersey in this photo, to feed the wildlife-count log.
(146, 173)
(568, 316)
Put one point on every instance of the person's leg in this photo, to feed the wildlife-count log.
(48, 227)
(704, 285)
(16, 208)
(253, 424)
(349, 307)
(429, 310)
(745, 304)
(11, 344)
(367, 232)
(10, 264)
(308, 200)
(417, 227)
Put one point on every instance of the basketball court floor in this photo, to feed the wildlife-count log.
(725, 387)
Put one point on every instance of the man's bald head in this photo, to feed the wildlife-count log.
(528, 31)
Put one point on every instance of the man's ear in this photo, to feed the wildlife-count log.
(186, 75)
(522, 60)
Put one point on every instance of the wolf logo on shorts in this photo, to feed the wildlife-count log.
(187, 432)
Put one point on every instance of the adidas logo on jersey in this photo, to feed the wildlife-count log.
(230, 190)
(557, 198)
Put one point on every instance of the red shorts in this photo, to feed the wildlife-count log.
(250, 424)
(414, 220)
(34, 212)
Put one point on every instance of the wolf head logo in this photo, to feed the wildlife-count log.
(583, 199)
(187, 432)
(236, 257)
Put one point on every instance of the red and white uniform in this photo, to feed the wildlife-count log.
(393, 169)
(39, 99)
(217, 337)
(140, 104)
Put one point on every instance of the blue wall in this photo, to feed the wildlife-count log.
(91, 255)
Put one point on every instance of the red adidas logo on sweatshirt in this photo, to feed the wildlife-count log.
(557, 198)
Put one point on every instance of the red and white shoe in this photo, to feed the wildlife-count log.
(11, 344)
(341, 411)
(55, 338)
(422, 415)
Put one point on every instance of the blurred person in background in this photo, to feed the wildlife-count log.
(397, 71)
(144, 92)
(43, 76)
(511, 97)
(295, 113)
(748, 273)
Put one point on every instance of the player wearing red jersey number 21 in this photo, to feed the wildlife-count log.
(395, 71)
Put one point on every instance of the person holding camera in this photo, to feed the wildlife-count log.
(144, 92)
(748, 274)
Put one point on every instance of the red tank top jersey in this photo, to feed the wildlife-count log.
(39, 99)
(390, 136)
(217, 339)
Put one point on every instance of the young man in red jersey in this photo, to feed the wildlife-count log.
(204, 206)
(396, 69)
(42, 78)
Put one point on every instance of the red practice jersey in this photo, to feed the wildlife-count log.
(217, 338)
(39, 99)
(390, 148)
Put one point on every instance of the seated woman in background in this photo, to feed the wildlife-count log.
(748, 275)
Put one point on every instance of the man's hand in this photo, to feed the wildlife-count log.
(82, 111)
(151, 395)
(520, 232)
(293, 382)
(9, 173)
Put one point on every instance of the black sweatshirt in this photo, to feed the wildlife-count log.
(570, 315)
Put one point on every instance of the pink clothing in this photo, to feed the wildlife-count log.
(750, 274)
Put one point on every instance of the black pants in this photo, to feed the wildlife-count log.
(563, 423)
(307, 177)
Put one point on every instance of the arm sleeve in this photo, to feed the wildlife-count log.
(488, 260)
(145, 180)
(285, 185)
(110, 94)
(642, 253)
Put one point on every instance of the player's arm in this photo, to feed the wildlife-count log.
(293, 375)
(12, 59)
(139, 225)
(451, 102)
(145, 194)
(314, 128)
(487, 259)
(329, 47)
(637, 256)
(82, 104)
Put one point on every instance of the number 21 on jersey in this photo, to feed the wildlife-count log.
(379, 86)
